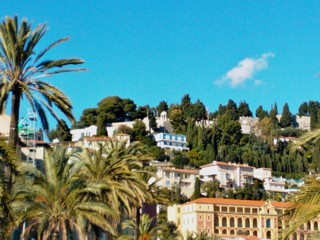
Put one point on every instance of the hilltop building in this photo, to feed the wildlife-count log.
(171, 141)
(250, 125)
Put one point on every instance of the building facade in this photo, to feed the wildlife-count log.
(233, 175)
(78, 134)
(171, 141)
(229, 175)
(184, 178)
(234, 219)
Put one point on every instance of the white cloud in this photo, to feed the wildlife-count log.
(245, 70)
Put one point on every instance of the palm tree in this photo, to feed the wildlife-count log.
(117, 168)
(8, 160)
(21, 70)
(305, 207)
(147, 230)
(57, 201)
(305, 202)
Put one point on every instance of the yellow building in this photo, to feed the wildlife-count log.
(233, 218)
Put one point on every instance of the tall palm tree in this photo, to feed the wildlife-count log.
(21, 71)
(57, 201)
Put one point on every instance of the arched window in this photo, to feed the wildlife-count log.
(308, 225)
(268, 223)
(224, 221)
(224, 231)
(315, 226)
(255, 223)
(232, 232)
(255, 233)
(239, 222)
(294, 236)
(247, 222)
(269, 234)
(232, 222)
(216, 221)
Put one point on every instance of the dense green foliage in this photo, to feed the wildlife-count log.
(112, 109)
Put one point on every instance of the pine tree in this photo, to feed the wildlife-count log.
(244, 110)
(286, 118)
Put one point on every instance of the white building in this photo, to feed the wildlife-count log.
(250, 125)
(113, 127)
(185, 178)
(171, 141)
(303, 122)
(96, 142)
(4, 125)
(230, 175)
(78, 134)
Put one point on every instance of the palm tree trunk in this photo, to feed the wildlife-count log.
(136, 230)
(15, 107)
(13, 132)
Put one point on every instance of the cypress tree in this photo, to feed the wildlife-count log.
(196, 193)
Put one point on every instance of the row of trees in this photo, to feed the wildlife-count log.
(85, 193)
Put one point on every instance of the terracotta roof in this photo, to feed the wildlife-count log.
(97, 138)
(281, 204)
(225, 201)
(181, 170)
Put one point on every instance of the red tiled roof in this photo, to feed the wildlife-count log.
(224, 201)
(281, 204)
(97, 138)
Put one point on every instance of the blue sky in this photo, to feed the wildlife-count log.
(258, 51)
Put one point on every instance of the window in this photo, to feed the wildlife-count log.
(224, 209)
(176, 138)
(182, 138)
(268, 223)
(167, 183)
(208, 218)
(240, 210)
(170, 136)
